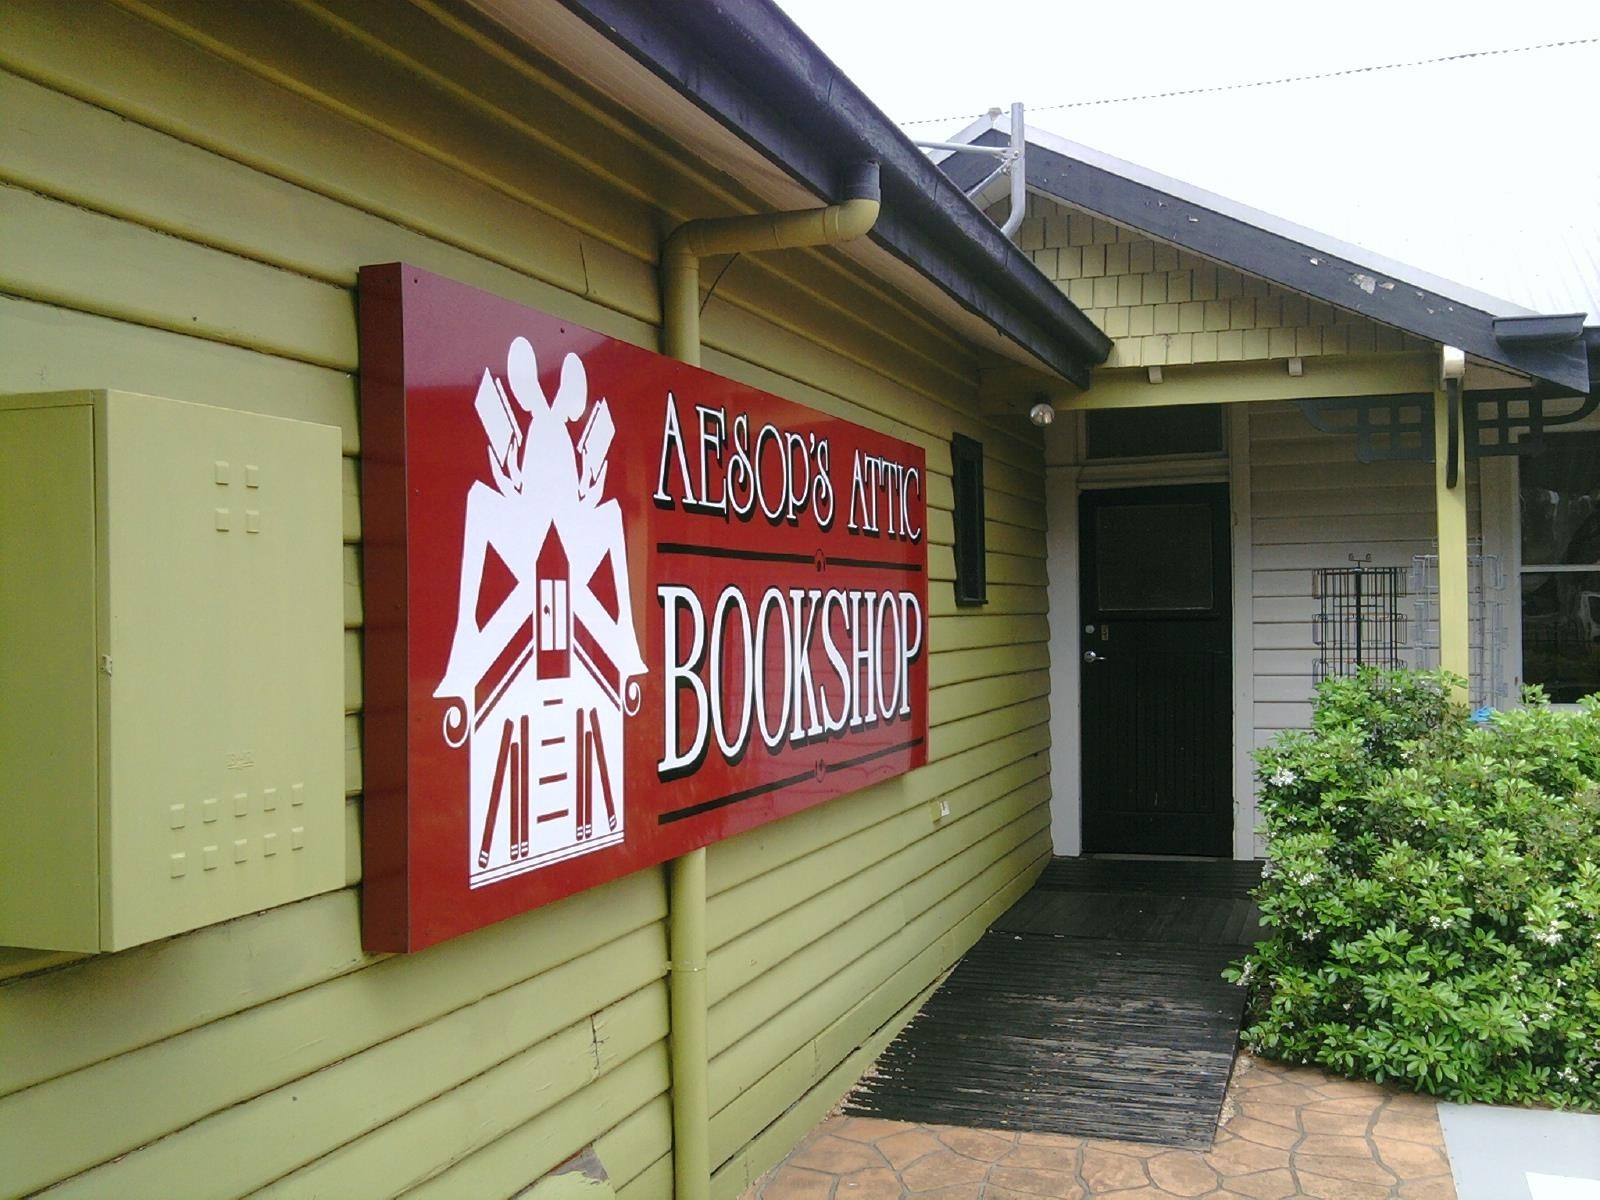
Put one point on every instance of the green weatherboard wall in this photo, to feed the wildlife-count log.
(187, 192)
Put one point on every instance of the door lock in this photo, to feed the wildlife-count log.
(1089, 656)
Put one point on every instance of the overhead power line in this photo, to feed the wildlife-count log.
(1261, 83)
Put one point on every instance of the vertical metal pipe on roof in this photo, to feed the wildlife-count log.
(688, 1035)
(1013, 161)
(1019, 173)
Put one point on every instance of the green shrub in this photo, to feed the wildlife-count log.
(1434, 894)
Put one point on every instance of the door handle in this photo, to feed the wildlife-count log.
(1089, 656)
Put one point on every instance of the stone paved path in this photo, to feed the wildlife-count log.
(1286, 1132)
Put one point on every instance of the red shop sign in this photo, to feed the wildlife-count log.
(617, 607)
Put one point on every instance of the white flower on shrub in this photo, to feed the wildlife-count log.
(1282, 777)
(1550, 935)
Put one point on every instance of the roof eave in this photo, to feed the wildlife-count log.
(752, 70)
(1365, 288)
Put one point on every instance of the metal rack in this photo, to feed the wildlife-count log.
(1359, 622)
(1486, 620)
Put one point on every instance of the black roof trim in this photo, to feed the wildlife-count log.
(751, 68)
(1557, 329)
(1312, 270)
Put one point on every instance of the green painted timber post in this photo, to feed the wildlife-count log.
(1450, 506)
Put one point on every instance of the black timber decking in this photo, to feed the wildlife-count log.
(1094, 1006)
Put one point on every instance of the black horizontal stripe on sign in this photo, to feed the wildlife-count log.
(696, 550)
(878, 564)
(762, 789)
(691, 548)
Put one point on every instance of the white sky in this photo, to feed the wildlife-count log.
(1481, 171)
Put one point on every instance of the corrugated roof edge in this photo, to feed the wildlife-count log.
(1278, 250)
(753, 70)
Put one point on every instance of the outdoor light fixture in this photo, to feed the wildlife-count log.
(1154, 374)
(1297, 367)
(1042, 413)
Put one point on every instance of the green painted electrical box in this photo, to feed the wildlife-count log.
(171, 667)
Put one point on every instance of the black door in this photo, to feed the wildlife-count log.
(1156, 643)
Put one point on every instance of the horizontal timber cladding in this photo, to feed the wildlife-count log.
(187, 194)
(1163, 306)
(1312, 504)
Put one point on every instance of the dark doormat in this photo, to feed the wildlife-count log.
(1094, 1012)
(1153, 876)
(1183, 919)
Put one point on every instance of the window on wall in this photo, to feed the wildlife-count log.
(1153, 432)
(1559, 501)
(966, 459)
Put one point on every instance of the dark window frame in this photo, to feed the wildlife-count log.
(966, 474)
(1586, 444)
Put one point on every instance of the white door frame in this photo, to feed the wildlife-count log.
(1065, 479)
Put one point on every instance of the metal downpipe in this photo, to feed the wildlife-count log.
(688, 1038)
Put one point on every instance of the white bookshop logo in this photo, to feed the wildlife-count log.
(544, 664)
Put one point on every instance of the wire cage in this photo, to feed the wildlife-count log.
(1359, 621)
(1486, 620)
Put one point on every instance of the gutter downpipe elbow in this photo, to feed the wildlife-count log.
(851, 218)
(689, 1039)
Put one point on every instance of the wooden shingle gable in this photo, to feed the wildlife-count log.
(1162, 305)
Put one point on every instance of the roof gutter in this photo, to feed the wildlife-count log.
(749, 67)
(1555, 330)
